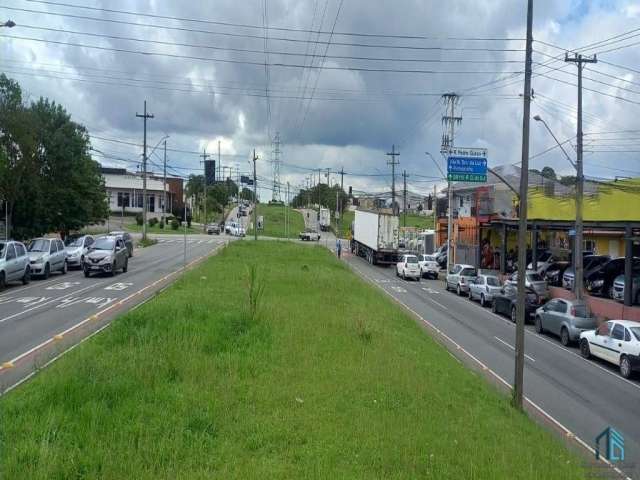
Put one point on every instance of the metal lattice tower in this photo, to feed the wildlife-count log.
(275, 161)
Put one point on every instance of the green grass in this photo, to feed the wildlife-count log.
(347, 220)
(146, 242)
(319, 385)
(274, 221)
(166, 230)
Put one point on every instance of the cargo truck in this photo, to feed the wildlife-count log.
(375, 237)
(324, 219)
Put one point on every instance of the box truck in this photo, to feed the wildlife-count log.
(375, 237)
(324, 219)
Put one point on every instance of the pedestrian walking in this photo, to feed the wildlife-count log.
(338, 247)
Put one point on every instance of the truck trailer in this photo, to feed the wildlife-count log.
(324, 219)
(375, 237)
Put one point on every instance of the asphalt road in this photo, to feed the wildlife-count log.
(585, 396)
(37, 312)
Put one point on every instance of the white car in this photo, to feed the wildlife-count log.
(77, 246)
(428, 266)
(309, 235)
(408, 267)
(617, 342)
(483, 288)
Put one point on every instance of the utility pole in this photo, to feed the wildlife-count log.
(393, 162)
(518, 384)
(329, 177)
(341, 206)
(404, 199)
(144, 117)
(579, 60)
(255, 198)
(164, 186)
(205, 156)
(449, 120)
(276, 168)
(288, 213)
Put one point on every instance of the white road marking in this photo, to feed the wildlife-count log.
(398, 289)
(119, 286)
(439, 304)
(430, 290)
(513, 348)
(63, 286)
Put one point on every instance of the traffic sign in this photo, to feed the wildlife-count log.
(467, 165)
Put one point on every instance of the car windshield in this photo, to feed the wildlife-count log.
(493, 282)
(544, 257)
(412, 259)
(39, 245)
(469, 272)
(534, 277)
(636, 332)
(104, 244)
(2, 244)
(73, 241)
(581, 311)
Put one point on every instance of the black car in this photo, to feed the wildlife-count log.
(504, 303)
(554, 273)
(589, 264)
(600, 281)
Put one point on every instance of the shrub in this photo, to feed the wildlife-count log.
(175, 224)
(161, 224)
(139, 219)
(153, 221)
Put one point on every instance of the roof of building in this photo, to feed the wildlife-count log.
(130, 182)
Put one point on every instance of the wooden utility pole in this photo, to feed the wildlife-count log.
(255, 198)
(404, 198)
(393, 162)
(205, 156)
(144, 117)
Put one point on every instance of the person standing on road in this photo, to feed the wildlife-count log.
(338, 247)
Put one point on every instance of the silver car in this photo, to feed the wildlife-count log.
(534, 281)
(107, 255)
(565, 318)
(483, 288)
(14, 263)
(47, 255)
(77, 247)
(459, 278)
(618, 288)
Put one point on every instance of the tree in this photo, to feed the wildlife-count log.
(548, 172)
(247, 194)
(568, 180)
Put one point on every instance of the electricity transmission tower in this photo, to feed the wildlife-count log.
(275, 161)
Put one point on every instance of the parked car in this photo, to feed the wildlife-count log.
(309, 235)
(618, 288)
(504, 302)
(483, 288)
(77, 247)
(459, 277)
(47, 255)
(589, 264)
(534, 281)
(107, 255)
(428, 266)
(14, 263)
(565, 318)
(545, 259)
(128, 240)
(600, 281)
(617, 342)
(555, 271)
(408, 267)
(213, 228)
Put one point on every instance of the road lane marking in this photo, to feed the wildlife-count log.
(63, 286)
(439, 304)
(513, 348)
(119, 286)
(32, 285)
(484, 367)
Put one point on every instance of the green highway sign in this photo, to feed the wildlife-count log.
(466, 177)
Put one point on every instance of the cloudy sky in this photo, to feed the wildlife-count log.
(337, 100)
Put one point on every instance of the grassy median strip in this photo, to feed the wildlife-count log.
(274, 221)
(271, 360)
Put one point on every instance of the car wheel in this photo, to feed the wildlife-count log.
(81, 261)
(446, 285)
(625, 367)
(564, 337)
(458, 291)
(585, 351)
(47, 271)
(514, 314)
(538, 325)
(65, 268)
(494, 307)
(125, 267)
(418, 279)
(86, 272)
(26, 278)
(2, 281)
(482, 301)
(404, 277)
(112, 273)
(610, 292)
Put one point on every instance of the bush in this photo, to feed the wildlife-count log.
(139, 219)
(153, 221)
(161, 224)
(175, 224)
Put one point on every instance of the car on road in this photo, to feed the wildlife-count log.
(534, 281)
(565, 318)
(213, 228)
(555, 271)
(47, 255)
(459, 277)
(618, 288)
(14, 263)
(408, 267)
(309, 235)
(128, 240)
(77, 247)
(428, 266)
(235, 229)
(615, 341)
(589, 264)
(483, 288)
(504, 303)
(108, 254)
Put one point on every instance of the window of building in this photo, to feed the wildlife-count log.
(590, 245)
(461, 201)
(139, 200)
(123, 199)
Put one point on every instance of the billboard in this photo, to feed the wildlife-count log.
(467, 164)
(210, 172)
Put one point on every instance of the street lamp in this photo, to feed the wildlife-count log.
(8, 24)
(577, 249)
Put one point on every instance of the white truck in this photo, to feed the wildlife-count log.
(375, 237)
(324, 219)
